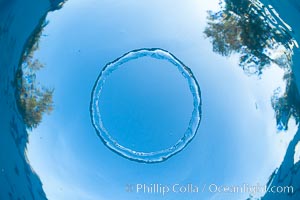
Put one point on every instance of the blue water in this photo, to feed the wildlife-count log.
(147, 104)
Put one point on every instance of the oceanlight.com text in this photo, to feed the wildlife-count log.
(164, 189)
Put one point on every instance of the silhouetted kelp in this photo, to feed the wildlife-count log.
(33, 100)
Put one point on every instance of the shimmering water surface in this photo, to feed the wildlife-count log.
(240, 54)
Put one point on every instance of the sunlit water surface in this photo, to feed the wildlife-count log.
(146, 105)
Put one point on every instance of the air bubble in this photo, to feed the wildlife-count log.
(146, 157)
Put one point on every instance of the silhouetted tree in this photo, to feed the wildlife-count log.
(288, 104)
(33, 100)
(246, 28)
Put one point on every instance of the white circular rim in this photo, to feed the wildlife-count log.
(147, 157)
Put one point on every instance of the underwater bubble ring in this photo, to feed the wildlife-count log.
(146, 157)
